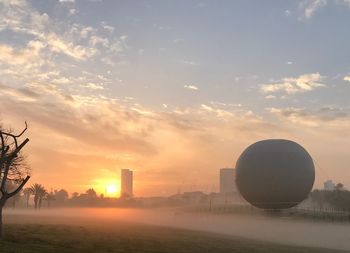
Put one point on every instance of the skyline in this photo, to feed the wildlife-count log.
(173, 90)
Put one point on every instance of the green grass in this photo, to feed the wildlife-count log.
(128, 238)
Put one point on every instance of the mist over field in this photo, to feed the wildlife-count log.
(157, 126)
(271, 229)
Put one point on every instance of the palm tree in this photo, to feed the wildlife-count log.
(27, 193)
(39, 193)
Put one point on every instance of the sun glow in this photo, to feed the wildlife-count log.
(111, 190)
(108, 187)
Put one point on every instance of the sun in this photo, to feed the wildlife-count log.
(111, 189)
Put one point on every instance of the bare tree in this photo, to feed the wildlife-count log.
(12, 167)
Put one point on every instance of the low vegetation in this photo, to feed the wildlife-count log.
(36, 238)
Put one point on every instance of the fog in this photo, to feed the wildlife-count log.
(272, 229)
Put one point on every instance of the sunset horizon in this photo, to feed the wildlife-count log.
(134, 88)
(174, 126)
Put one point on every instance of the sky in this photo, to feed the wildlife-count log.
(173, 90)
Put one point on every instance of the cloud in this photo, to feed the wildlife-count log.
(117, 47)
(88, 120)
(84, 134)
(270, 97)
(290, 85)
(15, 56)
(24, 19)
(73, 11)
(55, 77)
(347, 78)
(96, 40)
(325, 116)
(76, 51)
(118, 134)
(191, 63)
(108, 28)
(20, 94)
(93, 86)
(71, 39)
(287, 13)
(61, 80)
(309, 7)
(191, 87)
(47, 57)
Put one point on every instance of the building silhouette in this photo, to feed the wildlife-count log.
(227, 180)
(126, 183)
(329, 185)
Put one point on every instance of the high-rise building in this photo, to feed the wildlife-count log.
(126, 183)
(329, 185)
(227, 180)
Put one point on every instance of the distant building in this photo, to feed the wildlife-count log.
(126, 183)
(227, 180)
(329, 185)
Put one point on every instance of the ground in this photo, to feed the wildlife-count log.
(128, 238)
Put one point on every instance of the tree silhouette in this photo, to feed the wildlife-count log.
(61, 196)
(12, 167)
(27, 193)
(49, 197)
(339, 186)
(16, 198)
(39, 193)
(91, 193)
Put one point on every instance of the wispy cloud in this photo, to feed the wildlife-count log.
(20, 56)
(50, 49)
(327, 116)
(112, 134)
(191, 87)
(108, 27)
(287, 13)
(347, 78)
(76, 41)
(291, 85)
(309, 7)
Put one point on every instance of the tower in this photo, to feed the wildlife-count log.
(126, 183)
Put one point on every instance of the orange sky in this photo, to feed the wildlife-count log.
(167, 150)
(106, 85)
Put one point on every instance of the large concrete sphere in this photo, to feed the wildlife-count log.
(275, 174)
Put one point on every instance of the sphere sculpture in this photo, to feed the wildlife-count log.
(275, 174)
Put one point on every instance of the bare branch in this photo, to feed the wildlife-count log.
(15, 136)
(4, 149)
(4, 177)
(25, 129)
(17, 150)
(19, 188)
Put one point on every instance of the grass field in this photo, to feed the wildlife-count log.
(128, 237)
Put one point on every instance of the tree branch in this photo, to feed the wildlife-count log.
(16, 136)
(17, 150)
(9, 195)
(4, 177)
